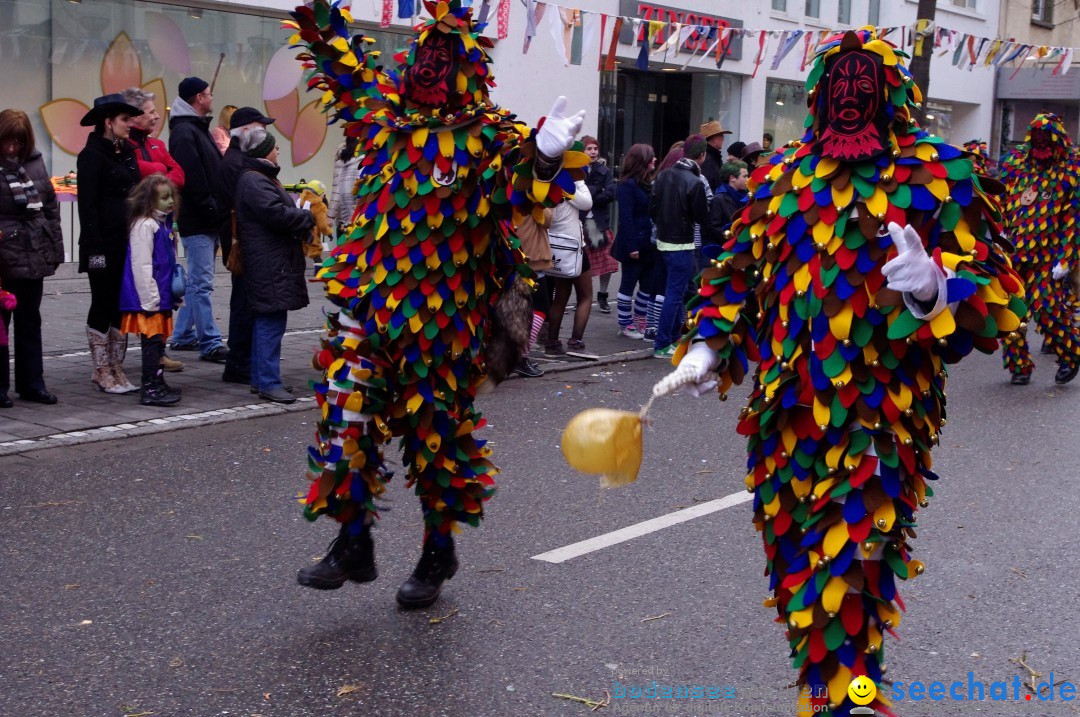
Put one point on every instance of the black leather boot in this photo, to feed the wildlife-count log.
(1020, 379)
(348, 558)
(436, 565)
(1066, 373)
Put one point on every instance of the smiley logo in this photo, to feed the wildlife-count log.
(862, 690)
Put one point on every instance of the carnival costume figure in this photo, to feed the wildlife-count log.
(429, 286)
(980, 157)
(1042, 207)
(868, 258)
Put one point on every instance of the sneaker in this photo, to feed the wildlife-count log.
(172, 365)
(528, 369)
(218, 354)
(575, 345)
(190, 346)
(649, 335)
(665, 353)
(277, 395)
(602, 302)
(255, 389)
(630, 332)
(554, 348)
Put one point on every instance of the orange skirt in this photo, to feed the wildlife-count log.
(147, 324)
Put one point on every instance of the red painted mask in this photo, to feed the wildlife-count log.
(427, 81)
(1042, 145)
(851, 104)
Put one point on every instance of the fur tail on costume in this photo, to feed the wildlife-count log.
(508, 341)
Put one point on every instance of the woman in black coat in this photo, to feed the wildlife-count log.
(271, 232)
(633, 243)
(31, 247)
(107, 171)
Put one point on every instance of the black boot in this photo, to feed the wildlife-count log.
(436, 565)
(602, 302)
(348, 558)
(5, 372)
(1020, 379)
(1046, 348)
(157, 394)
(1066, 373)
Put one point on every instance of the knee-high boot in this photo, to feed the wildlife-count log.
(5, 377)
(118, 343)
(99, 355)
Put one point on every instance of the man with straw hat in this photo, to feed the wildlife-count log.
(713, 132)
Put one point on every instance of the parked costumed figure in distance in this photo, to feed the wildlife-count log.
(868, 257)
(430, 289)
(1042, 208)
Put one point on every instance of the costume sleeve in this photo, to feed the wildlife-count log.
(141, 251)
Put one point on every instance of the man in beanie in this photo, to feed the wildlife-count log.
(192, 146)
(238, 364)
(677, 203)
(714, 133)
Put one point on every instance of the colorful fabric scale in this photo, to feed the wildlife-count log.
(849, 391)
(980, 157)
(416, 274)
(1042, 207)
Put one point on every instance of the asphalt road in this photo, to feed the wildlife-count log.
(155, 575)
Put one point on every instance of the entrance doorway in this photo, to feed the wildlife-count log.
(652, 108)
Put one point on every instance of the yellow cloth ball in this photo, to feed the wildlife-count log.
(606, 442)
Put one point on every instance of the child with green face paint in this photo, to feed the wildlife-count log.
(146, 296)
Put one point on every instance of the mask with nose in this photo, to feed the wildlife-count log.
(855, 128)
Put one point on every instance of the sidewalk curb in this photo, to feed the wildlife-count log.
(235, 413)
(154, 425)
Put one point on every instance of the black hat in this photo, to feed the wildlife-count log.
(246, 115)
(108, 106)
(191, 86)
(735, 149)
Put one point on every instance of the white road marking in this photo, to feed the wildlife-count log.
(575, 550)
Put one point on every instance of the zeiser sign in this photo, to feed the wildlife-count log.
(697, 41)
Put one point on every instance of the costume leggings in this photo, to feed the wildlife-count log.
(434, 418)
(1052, 313)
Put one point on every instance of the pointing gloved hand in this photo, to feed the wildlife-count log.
(557, 133)
(1061, 270)
(695, 374)
(912, 271)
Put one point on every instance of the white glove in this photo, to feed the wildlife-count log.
(912, 271)
(695, 374)
(558, 131)
(1061, 269)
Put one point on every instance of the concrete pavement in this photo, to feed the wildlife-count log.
(85, 414)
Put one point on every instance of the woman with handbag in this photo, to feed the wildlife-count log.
(107, 172)
(566, 229)
(31, 247)
(597, 221)
(147, 294)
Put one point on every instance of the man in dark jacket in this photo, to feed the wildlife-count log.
(238, 364)
(678, 202)
(713, 132)
(727, 201)
(200, 219)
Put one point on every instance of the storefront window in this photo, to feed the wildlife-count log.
(939, 120)
(785, 111)
(718, 97)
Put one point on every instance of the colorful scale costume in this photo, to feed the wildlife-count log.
(849, 392)
(1042, 207)
(416, 276)
(980, 157)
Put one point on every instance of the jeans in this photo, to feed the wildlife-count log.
(680, 269)
(195, 319)
(266, 333)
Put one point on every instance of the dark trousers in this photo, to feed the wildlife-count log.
(241, 323)
(29, 370)
(105, 297)
(153, 353)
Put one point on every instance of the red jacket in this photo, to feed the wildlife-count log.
(154, 157)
